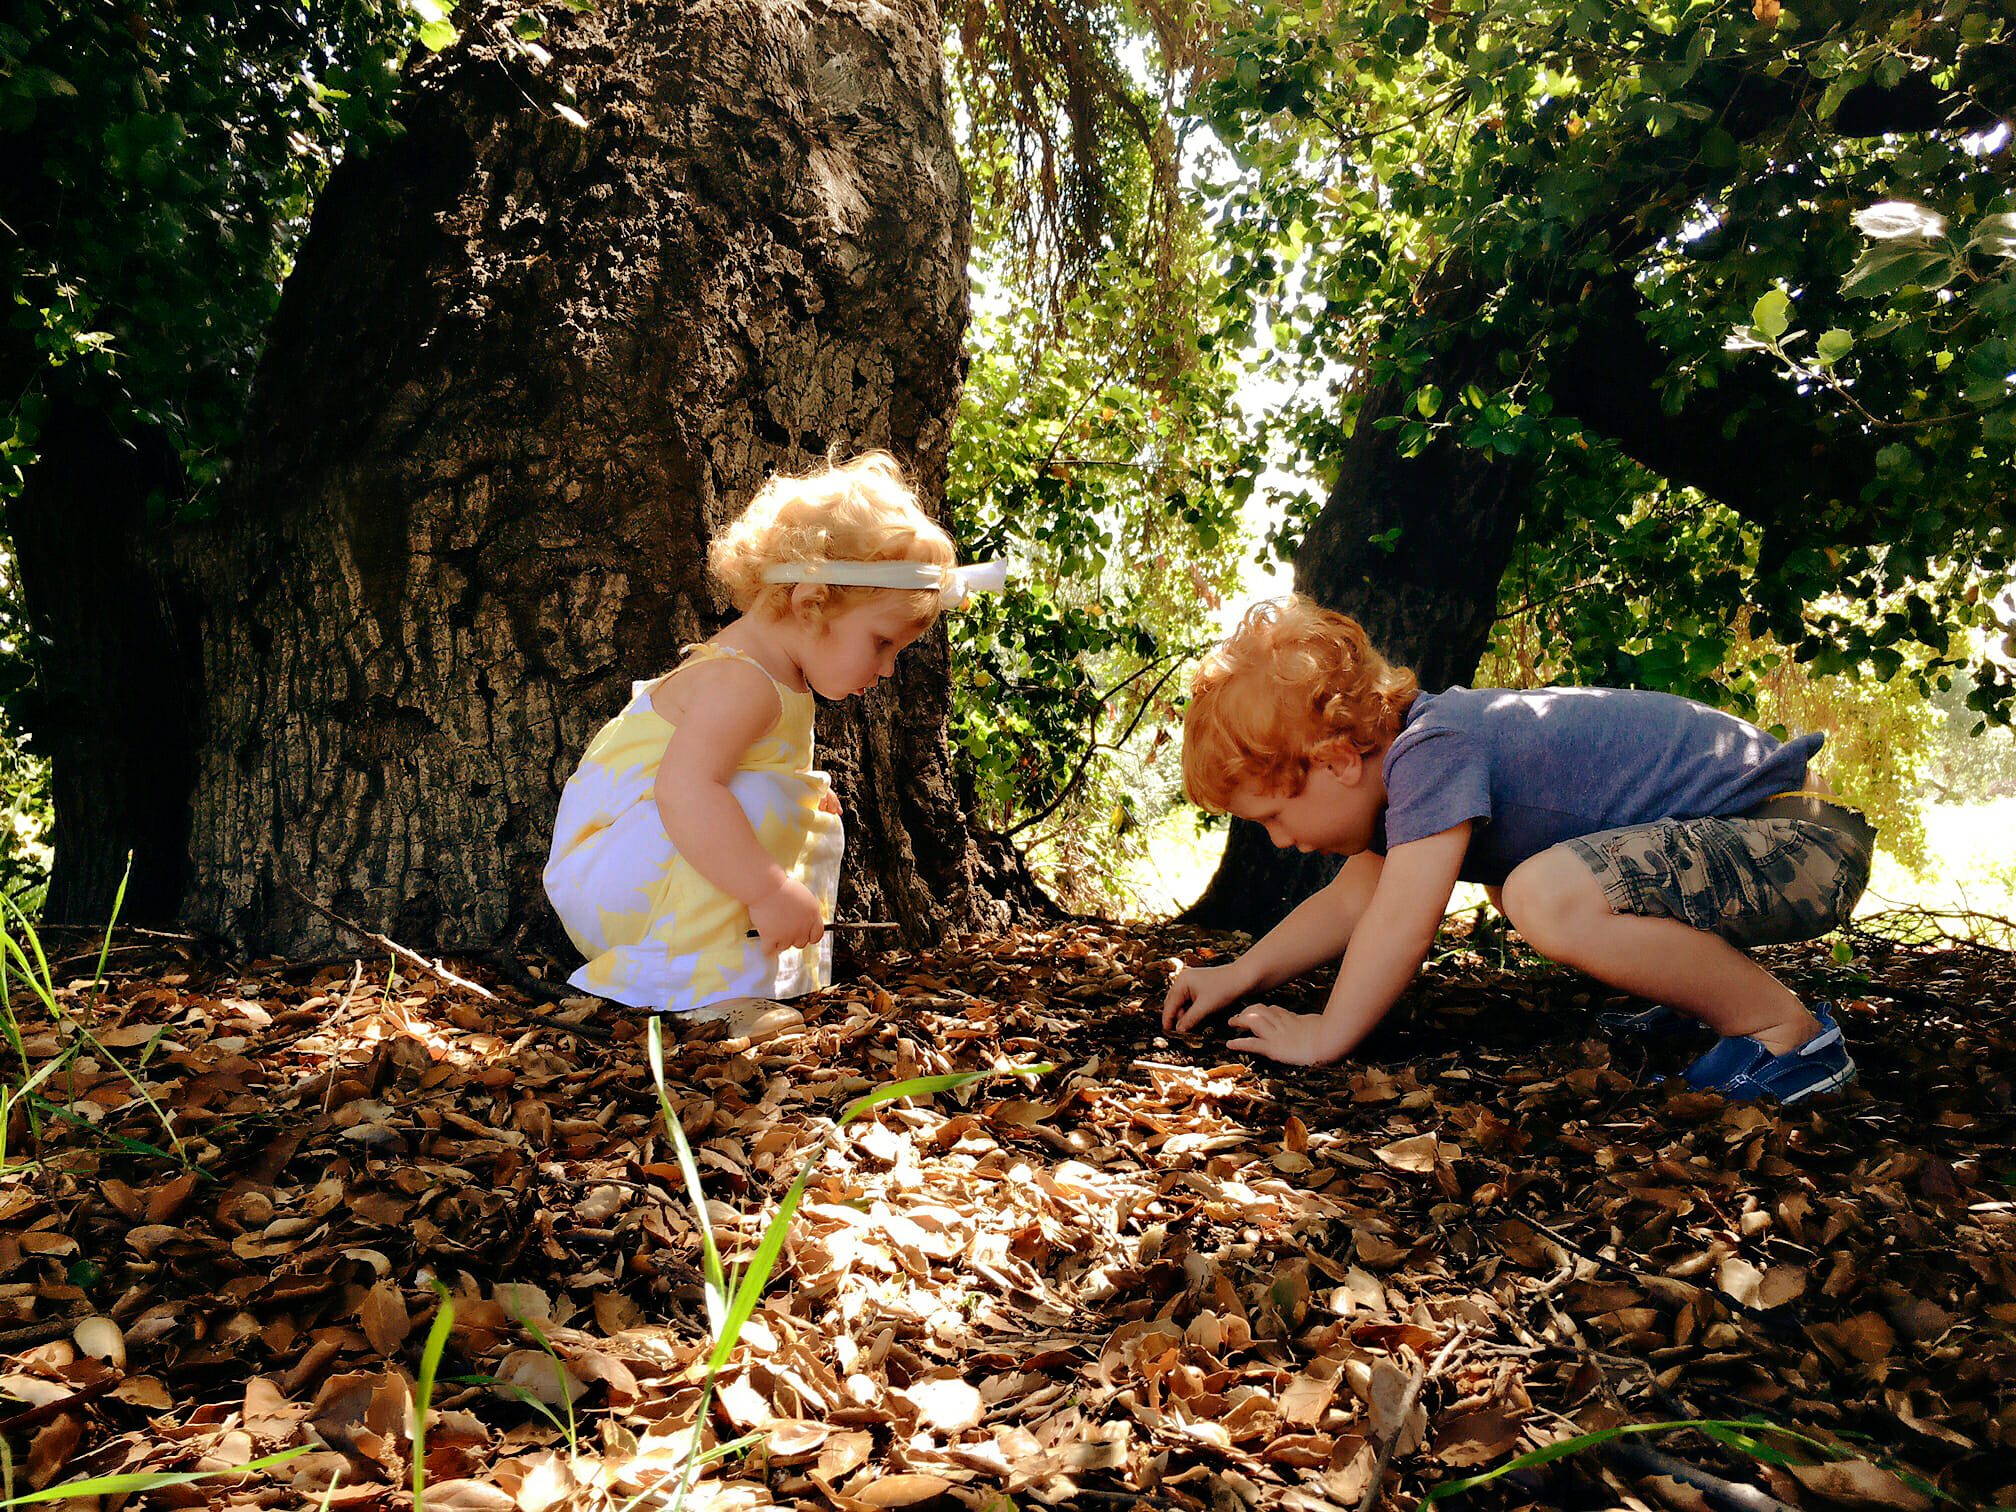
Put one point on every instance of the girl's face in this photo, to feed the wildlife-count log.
(856, 648)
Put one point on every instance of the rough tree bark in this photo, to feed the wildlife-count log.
(1427, 602)
(521, 372)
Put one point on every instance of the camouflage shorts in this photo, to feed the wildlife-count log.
(1791, 869)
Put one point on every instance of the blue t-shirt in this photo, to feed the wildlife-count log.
(1532, 768)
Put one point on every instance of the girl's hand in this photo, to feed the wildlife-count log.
(828, 804)
(1197, 992)
(1300, 1039)
(788, 918)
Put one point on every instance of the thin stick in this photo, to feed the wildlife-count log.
(435, 968)
(1391, 1442)
(841, 924)
(1722, 1495)
(40, 1332)
(1782, 1321)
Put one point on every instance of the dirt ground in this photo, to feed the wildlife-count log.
(1159, 1274)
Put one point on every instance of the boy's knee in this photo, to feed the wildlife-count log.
(1549, 898)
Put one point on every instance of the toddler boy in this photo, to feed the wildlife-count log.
(1639, 837)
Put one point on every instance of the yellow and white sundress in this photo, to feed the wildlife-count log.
(657, 934)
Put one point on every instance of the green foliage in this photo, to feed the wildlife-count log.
(1410, 183)
(1100, 446)
(162, 161)
(25, 819)
(1879, 741)
(1969, 762)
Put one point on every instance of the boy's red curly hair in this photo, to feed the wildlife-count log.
(1294, 682)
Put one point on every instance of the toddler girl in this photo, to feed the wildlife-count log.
(696, 855)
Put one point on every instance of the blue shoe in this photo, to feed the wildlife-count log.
(1744, 1071)
(1653, 1020)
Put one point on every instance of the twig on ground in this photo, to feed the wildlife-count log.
(520, 976)
(39, 1333)
(1722, 1495)
(32, 1415)
(1783, 1321)
(435, 968)
(1391, 1442)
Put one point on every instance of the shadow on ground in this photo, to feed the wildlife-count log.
(1159, 1273)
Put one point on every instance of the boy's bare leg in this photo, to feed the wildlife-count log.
(1558, 905)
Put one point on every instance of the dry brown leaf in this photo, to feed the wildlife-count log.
(101, 1339)
(947, 1405)
(1860, 1483)
(468, 1496)
(844, 1454)
(549, 1481)
(616, 1313)
(540, 1376)
(50, 1449)
(384, 1318)
(1476, 1438)
(266, 1412)
(1417, 1155)
(1307, 1396)
(902, 1490)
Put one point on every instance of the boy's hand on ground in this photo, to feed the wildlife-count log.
(1197, 992)
(1299, 1039)
(788, 918)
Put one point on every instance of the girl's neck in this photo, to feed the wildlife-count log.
(770, 644)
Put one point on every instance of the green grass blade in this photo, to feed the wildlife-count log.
(8, 1026)
(160, 1114)
(925, 1086)
(423, 1390)
(524, 1397)
(43, 992)
(750, 1289)
(1745, 1443)
(696, 1196)
(126, 1485)
(129, 1145)
(564, 1376)
(722, 1451)
(118, 902)
(45, 984)
(41, 1076)
(1724, 1430)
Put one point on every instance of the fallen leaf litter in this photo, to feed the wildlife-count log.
(1159, 1272)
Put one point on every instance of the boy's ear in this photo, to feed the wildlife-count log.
(1343, 756)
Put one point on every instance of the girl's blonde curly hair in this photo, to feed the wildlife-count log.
(1293, 682)
(858, 511)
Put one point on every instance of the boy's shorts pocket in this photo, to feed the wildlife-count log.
(1752, 881)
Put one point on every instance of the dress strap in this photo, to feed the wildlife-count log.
(700, 651)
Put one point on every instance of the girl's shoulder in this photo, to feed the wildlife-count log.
(713, 675)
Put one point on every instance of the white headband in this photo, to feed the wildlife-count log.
(955, 585)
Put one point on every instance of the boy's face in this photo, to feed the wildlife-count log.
(1336, 811)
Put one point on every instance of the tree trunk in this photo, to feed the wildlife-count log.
(1427, 601)
(109, 706)
(521, 373)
